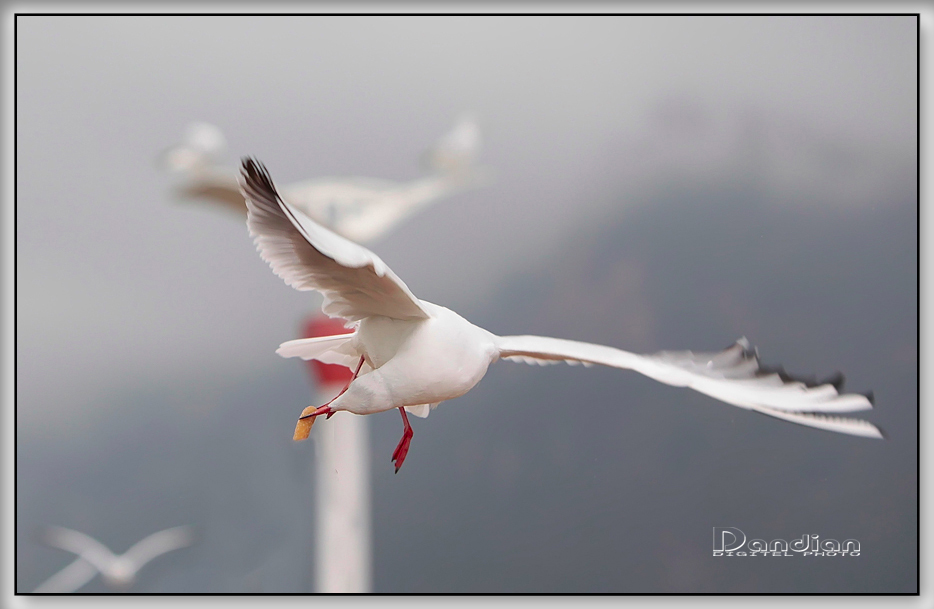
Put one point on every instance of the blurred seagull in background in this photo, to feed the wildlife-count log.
(410, 354)
(360, 209)
(118, 572)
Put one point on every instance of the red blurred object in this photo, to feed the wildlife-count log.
(327, 374)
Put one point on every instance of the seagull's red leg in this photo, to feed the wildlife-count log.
(402, 449)
(352, 379)
(307, 418)
(313, 412)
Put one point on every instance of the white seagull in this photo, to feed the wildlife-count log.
(361, 209)
(119, 571)
(411, 354)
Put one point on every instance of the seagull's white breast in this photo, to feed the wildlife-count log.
(426, 361)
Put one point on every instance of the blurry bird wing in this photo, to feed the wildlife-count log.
(83, 545)
(69, 579)
(219, 191)
(379, 215)
(158, 543)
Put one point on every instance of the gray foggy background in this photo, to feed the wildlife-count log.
(660, 183)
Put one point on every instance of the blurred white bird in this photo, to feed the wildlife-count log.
(361, 209)
(411, 354)
(118, 572)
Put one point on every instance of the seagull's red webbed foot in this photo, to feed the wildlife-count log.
(307, 419)
(402, 449)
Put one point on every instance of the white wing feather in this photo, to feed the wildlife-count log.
(355, 282)
(732, 375)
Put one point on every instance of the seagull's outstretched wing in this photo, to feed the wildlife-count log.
(158, 543)
(354, 281)
(83, 545)
(732, 375)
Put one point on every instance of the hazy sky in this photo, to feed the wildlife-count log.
(659, 183)
(100, 247)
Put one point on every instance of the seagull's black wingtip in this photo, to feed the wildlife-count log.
(836, 379)
(252, 168)
(256, 174)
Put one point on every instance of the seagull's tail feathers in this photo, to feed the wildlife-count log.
(732, 375)
(421, 410)
(336, 349)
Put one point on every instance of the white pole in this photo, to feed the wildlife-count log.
(343, 556)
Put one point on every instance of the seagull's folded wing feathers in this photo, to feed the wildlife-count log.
(354, 281)
(733, 375)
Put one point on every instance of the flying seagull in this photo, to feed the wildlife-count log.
(410, 354)
(361, 209)
(119, 572)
